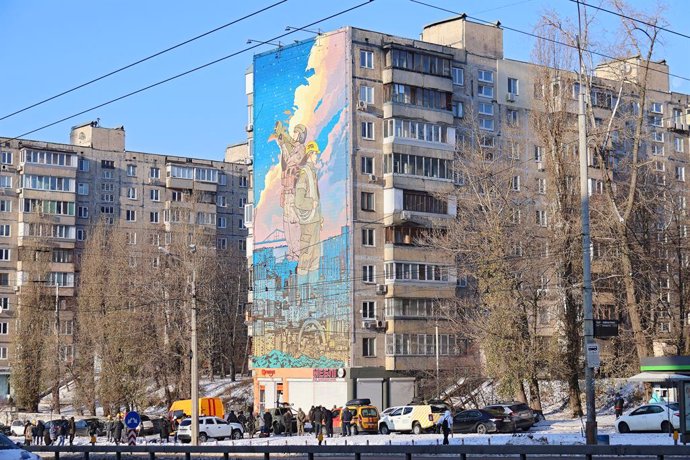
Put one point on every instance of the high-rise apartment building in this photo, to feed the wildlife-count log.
(353, 136)
(52, 194)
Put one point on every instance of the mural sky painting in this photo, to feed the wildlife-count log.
(302, 301)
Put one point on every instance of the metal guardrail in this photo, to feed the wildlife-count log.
(462, 452)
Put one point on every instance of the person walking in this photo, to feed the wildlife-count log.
(446, 422)
(287, 421)
(232, 418)
(40, 430)
(346, 421)
(62, 431)
(165, 430)
(318, 418)
(251, 423)
(109, 428)
(28, 433)
(328, 421)
(93, 432)
(46, 436)
(118, 426)
(618, 405)
(259, 424)
(268, 423)
(301, 419)
(71, 430)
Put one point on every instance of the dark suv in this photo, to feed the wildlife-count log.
(521, 416)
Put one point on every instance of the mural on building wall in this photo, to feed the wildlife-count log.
(302, 302)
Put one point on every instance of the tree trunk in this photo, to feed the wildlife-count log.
(641, 346)
(534, 395)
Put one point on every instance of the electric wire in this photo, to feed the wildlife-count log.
(147, 58)
(192, 70)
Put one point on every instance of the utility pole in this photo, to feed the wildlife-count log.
(438, 390)
(194, 366)
(56, 389)
(591, 423)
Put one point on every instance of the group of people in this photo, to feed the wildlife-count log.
(320, 418)
(56, 433)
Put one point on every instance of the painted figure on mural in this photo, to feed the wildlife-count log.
(292, 159)
(308, 210)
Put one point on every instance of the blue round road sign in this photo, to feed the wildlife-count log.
(132, 420)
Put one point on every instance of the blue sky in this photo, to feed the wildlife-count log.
(48, 46)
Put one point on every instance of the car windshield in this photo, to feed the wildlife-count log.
(369, 412)
(6, 443)
(186, 422)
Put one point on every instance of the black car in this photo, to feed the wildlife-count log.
(521, 416)
(481, 421)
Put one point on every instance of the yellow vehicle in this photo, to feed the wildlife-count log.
(207, 406)
(365, 418)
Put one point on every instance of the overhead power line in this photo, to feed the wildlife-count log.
(195, 69)
(639, 21)
(128, 66)
(551, 40)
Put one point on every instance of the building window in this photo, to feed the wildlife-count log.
(366, 59)
(367, 130)
(657, 136)
(678, 143)
(5, 230)
(4, 303)
(656, 120)
(244, 182)
(486, 124)
(657, 107)
(155, 173)
(6, 158)
(680, 173)
(3, 352)
(540, 216)
(83, 212)
(411, 271)
(515, 216)
(458, 109)
(67, 327)
(84, 164)
(486, 108)
(514, 148)
(5, 182)
(458, 74)
(541, 186)
(513, 86)
(485, 91)
(515, 184)
(222, 222)
(240, 223)
(366, 94)
(369, 347)
(222, 243)
(513, 118)
(538, 153)
(154, 217)
(155, 195)
(4, 328)
(368, 237)
(5, 206)
(4, 279)
(82, 189)
(107, 174)
(367, 201)
(486, 76)
(131, 238)
(242, 245)
(131, 215)
(368, 275)
(5, 254)
(176, 196)
(367, 165)
(369, 310)
(131, 170)
(132, 193)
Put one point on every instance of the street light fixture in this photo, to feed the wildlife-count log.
(195, 356)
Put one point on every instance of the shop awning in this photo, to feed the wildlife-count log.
(656, 377)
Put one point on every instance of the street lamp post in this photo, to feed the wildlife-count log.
(194, 365)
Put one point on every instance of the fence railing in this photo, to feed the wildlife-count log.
(462, 452)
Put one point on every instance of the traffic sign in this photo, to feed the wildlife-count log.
(132, 420)
(132, 437)
(593, 355)
(605, 328)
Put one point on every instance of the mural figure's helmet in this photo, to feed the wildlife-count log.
(300, 133)
(312, 147)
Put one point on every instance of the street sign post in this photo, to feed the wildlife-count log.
(593, 355)
(132, 421)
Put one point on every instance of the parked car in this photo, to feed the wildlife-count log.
(149, 426)
(83, 426)
(521, 416)
(277, 414)
(365, 418)
(5, 429)
(17, 428)
(417, 419)
(210, 428)
(662, 417)
(481, 421)
(11, 451)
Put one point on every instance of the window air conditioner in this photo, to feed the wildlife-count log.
(372, 178)
(362, 105)
(381, 289)
(510, 97)
(405, 215)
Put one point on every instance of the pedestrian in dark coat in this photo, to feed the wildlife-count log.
(318, 419)
(71, 430)
(62, 431)
(40, 430)
(93, 432)
(109, 428)
(251, 423)
(118, 426)
(618, 405)
(328, 420)
(232, 418)
(242, 419)
(346, 421)
(165, 430)
(46, 437)
(268, 423)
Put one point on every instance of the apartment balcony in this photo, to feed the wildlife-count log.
(410, 182)
(422, 289)
(47, 170)
(35, 217)
(179, 183)
(399, 110)
(418, 79)
(417, 253)
(29, 193)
